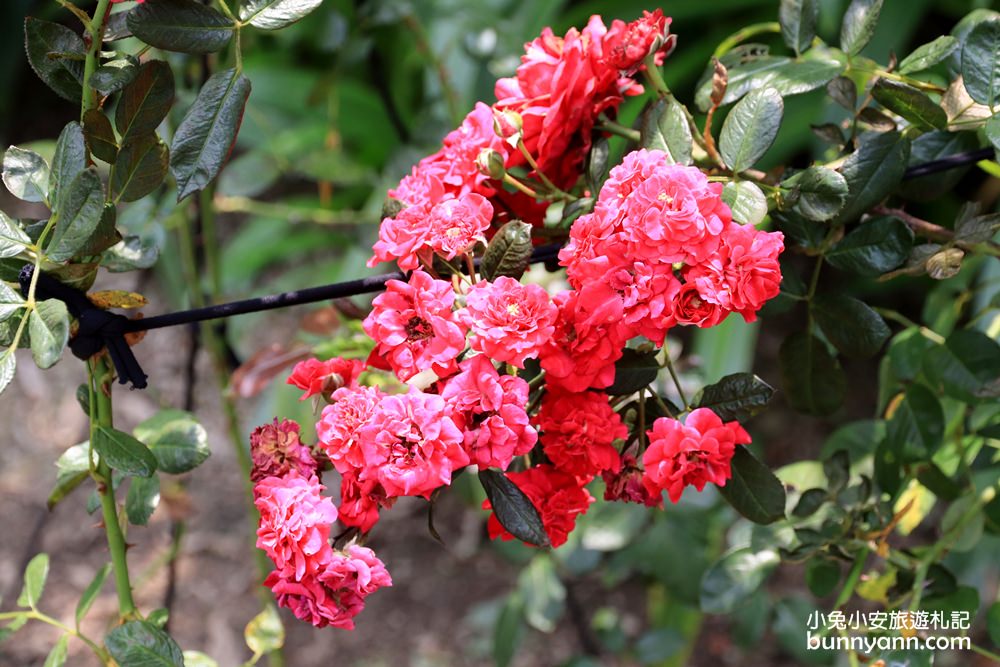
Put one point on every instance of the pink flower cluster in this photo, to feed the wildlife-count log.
(319, 584)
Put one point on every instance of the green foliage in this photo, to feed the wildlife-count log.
(142, 644)
(513, 509)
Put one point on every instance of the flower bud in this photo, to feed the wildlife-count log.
(490, 163)
(508, 125)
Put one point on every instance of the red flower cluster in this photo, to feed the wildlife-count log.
(558, 496)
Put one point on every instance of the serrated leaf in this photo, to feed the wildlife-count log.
(798, 23)
(68, 161)
(873, 247)
(909, 103)
(100, 136)
(664, 127)
(872, 172)
(114, 75)
(737, 397)
(141, 166)
(786, 75)
(83, 206)
(146, 101)
(734, 578)
(205, 137)
(927, 55)
(513, 509)
(844, 92)
(859, 24)
(964, 366)
(978, 229)
(104, 236)
(753, 490)
(8, 364)
(35, 575)
(26, 174)
(10, 301)
(176, 439)
(62, 75)
(48, 326)
(73, 467)
(633, 371)
(813, 381)
(123, 452)
(917, 426)
(265, 632)
(91, 592)
(751, 128)
(275, 14)
(508, 251)
(142, 499)
(981, 62)
(186, 26)
(13, 240)
(142, 644)
(746, 200)
(821, 192)
(57, 656)
(850, 324)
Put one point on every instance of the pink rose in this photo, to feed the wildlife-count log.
(510, 321)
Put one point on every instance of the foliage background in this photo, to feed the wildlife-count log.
(342, 104)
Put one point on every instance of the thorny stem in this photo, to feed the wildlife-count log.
(100, 377)
(934, 232)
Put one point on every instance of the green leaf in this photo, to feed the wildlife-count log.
(754, 491)
(931, 146)
(992, 131)
(145, 102)
(12, 238)
(10, 301)
(205, 137)
(909, 103)
(969, 535)
(63, 75)
(26, 174)
(977, 229)
(981, 62)
(917, 426)
(142, 644)
(787, 76)
(130, 254)
(265, 632)
(73, 467)
(734, 578)
(114, 75)
(142, 498)
(8, 364)
(181, 25)
(35, 575)
(543, 593)
(747, 202)
(927, 55)
(822, 576)
(100, 136)
(751, 128)
(69, 159)
(91, 592)
(859, 24)
(176, 439)
(809, 502)
(105, 235)
(664, 127)
(737, 397)
(844, 92)
(993, 623)
(275, 14)
(83, 206)
(48, 326)
(813, 380)
(874, 247)
(597, 165)
(513, 509)
(837, 468)
(508, 251)
(57, 656)
(798, 23)
(123, 452)
(820, 193)
(141, 167)
(13, 626)
(872, 172)
(850, 324)
(634, 371)
(964, 366)
(509, 630)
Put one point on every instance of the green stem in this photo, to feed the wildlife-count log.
(726, 45)
(985, 653)
(36, 615)
(541, 175)
(608, 125)
(642, 420)
(96, 30)
(677, 382)
(100, 378)
(652, 74)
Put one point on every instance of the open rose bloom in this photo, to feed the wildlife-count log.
(477, 364)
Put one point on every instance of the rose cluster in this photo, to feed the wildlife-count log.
(500, 373)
